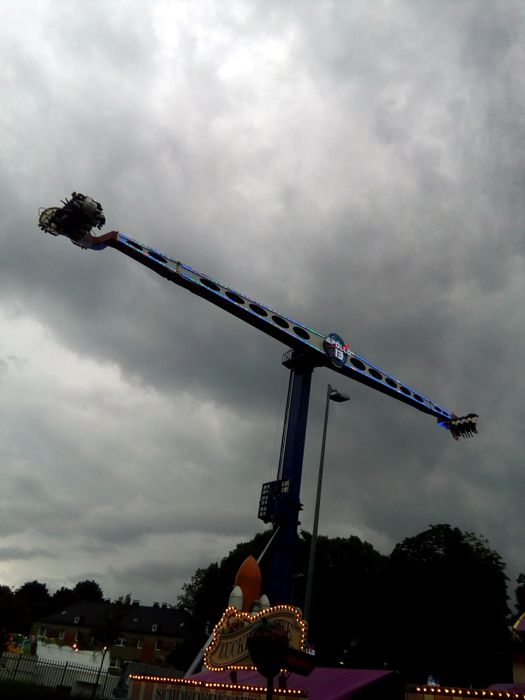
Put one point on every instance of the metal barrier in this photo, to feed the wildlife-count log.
(67, 678)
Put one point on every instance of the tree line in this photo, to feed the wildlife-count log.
(438, 604)
(20, 608)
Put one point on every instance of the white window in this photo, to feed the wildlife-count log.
(139, 643)
(121, 642)
(158, 645)
(154, 628)
(62, 634)
(77, 620)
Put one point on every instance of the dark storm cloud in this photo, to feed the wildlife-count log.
(357, 167)
(15, 553)
(129, 528)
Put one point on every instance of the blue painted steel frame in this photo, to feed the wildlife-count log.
(292, 333)
(279, 582)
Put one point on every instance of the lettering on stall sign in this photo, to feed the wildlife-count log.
(178, 691)
(232, 649)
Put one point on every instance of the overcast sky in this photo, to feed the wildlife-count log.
(357, 165)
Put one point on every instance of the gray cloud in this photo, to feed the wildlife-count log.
(14, 553)
(355, 167)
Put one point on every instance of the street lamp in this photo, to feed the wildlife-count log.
(331, 395)
(95, 686)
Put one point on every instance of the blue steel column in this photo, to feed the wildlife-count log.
(278, 581)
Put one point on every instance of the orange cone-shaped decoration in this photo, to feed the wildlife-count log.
(249, 580)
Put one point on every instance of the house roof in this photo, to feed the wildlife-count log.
(138, 619)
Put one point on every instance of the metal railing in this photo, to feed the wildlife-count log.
(70, 678)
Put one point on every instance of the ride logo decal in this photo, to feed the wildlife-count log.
(336, 349)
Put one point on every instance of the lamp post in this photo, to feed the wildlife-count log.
(331, 395)
(95, 686)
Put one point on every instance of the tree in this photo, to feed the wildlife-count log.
(84, 591)
(7, 601)
(347, 576)
(108, 627)
(447, 608)
(32, 602)
(347, 582)
(63, 598)
(520, 594)
(33, 594)
(89, 592)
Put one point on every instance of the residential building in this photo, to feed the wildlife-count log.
(134, 632)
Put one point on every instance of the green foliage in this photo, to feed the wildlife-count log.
(88, 591)
(7, 604)
(437, 604)
(447, 612)
(347, 576)
(84, 591)
(33, 593)
(347, 587)
(31, 602)
(107, 629)
(63, 598)
(520, 594)
(124, 599)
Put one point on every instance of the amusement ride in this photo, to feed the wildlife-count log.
(280, 499)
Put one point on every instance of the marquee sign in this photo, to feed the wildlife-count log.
(228, 648)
